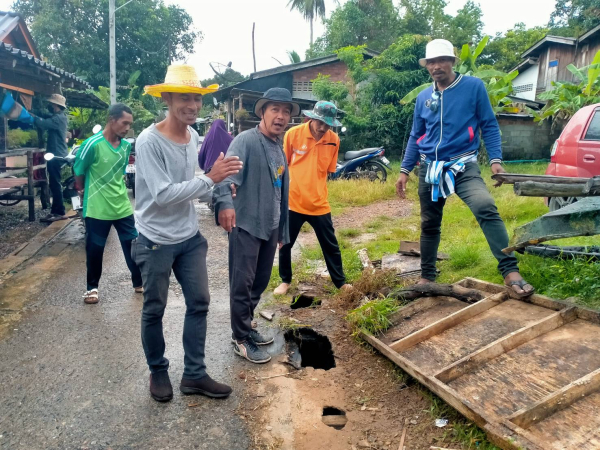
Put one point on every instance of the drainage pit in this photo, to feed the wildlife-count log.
(307, 348)
(334, 417)
(305, 301)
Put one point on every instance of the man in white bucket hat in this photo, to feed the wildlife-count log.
(169, 239)
(448, 119)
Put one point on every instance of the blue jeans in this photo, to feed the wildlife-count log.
(471, 189)
(187, 260)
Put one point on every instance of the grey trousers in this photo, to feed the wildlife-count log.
(250, 267)
(471, 189)
(188, 261)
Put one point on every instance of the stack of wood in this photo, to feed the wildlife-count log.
(550, 186)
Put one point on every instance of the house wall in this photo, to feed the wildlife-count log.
(302, 79)
(565, 55)
(522, 139)
(525, 84)
(587, 51)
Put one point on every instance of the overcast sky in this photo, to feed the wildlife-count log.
(227, 28)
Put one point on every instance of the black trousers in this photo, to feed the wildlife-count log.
(250, 267)
(95, 241)
(53, 168)
(323, 227)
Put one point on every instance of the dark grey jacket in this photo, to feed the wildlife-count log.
(57, 133)
(254, 203)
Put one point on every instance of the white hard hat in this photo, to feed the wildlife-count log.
(436, 49)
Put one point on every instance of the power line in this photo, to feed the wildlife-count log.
(140, 48)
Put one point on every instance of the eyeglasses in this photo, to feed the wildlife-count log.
(433, 102)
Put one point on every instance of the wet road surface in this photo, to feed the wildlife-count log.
(73, 376)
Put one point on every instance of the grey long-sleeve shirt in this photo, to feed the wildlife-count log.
(166, 186)
(254, 203)
(57, 133)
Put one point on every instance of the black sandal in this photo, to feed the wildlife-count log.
(521, 283)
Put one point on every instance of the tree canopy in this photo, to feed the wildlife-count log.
(73, 35)
(574, 17)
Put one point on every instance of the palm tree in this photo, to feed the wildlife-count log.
(294, 57)
(310, 9)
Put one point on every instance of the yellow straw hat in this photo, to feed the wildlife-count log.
(182, 79)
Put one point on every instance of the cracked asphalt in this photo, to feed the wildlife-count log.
(74, 376)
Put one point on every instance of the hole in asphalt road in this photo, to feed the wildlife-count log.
(334, 417)
(305, 301)
(313, 349)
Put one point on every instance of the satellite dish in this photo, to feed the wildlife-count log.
(220, 70)
(96, 128)
(343, 129)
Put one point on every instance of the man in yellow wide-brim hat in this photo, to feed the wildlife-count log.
(169, 238)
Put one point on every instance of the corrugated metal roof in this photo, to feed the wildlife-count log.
(28, 59)
(9, 21)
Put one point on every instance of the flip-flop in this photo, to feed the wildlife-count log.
(521, 283)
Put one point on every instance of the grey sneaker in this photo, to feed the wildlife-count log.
(259, 339)
(249, 350)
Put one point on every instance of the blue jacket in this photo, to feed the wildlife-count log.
(452, 131)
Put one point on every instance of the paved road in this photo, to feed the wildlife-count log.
(73, 376)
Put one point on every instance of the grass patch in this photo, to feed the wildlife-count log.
(349, 232)
(463, 431)
(373, 317)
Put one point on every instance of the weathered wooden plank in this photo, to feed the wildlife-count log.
(448, 322)
(583, 313)
(506, 344)
(557, 401)
(511, 178)
(578, 219)
(500, 434)
(538, 189)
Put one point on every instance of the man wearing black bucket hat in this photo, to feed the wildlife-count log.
(312, 150)
(256, 218)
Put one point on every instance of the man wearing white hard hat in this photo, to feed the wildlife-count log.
(448, 120)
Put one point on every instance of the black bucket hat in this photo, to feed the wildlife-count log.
(276, 95)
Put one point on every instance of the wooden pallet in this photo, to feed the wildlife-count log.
(526, 371)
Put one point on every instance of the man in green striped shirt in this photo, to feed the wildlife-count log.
(99, 169)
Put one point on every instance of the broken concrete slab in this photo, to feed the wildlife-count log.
(401, 263)
(267, 314)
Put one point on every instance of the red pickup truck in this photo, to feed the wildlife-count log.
(576, 153)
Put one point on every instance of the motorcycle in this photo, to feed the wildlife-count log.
(368, 163)
(68, 185)
(130, 169)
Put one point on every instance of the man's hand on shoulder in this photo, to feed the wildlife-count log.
(224, 167)
(497, 168)
(227, 219)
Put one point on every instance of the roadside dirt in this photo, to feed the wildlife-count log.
(285, 411)
(15, 228)
(359, 216)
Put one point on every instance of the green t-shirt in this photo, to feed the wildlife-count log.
(105, 196)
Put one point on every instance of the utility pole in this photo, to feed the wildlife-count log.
(111, 46)
(253, 51)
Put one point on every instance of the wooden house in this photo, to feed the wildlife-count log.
(297, 78)
(547, 60)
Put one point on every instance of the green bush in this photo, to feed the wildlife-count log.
(21, 138)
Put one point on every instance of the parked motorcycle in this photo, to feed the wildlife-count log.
(69, 191)
(130, 169)
(368, 163)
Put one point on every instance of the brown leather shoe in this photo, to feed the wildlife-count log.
(205, 386)
(160, 386)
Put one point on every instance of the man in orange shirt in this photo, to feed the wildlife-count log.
(311, 150)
